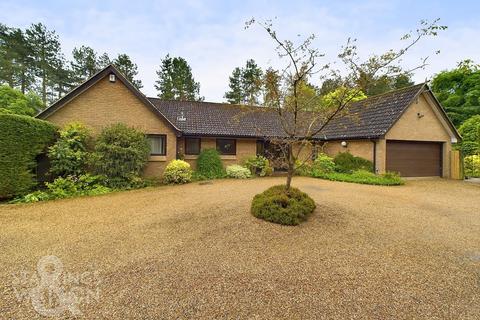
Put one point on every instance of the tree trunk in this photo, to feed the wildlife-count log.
(291, 166)
(44, 88)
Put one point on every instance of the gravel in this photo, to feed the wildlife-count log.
(195, 251)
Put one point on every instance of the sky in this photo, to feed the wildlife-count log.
(211, 36)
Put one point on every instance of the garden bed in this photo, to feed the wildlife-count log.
(362, 177)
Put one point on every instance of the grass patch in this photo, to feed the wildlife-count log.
(362, 177)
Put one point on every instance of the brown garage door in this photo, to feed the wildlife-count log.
(414, 159)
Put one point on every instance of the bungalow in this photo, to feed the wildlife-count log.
(405, 130)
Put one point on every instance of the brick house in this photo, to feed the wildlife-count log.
(404, 130)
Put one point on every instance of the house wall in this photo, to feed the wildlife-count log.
(106, 103)
(430, 126)
(245, 148)
(359, 148)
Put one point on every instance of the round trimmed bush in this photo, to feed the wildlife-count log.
(238, 172)
(177, 172)
(278, 205)
(209, 164)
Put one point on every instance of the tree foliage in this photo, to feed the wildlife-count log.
(47, 59)
(341, 94)
(458, 90)
(245, 84)
(470, 132)
(16, 59)
(128, 69)
(15, 102)
(176, 82)
(32, 60)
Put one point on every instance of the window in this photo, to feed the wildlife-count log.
(260, 148)
(192, 146)
(227, 146)
(158, 144)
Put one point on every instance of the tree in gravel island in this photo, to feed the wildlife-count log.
(128, 69)
(176, 82)
(301, 118)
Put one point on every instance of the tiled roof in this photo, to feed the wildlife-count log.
(219, 119)
(372, 117)
(369, 118)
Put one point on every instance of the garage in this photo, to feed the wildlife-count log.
(414, 158)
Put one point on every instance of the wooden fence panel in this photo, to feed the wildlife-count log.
(456, 165)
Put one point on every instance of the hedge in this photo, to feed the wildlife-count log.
(22, 139)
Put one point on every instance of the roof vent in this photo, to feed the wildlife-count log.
(111, 77)
(181, 117)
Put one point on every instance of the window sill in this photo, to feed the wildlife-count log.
(228, 157)
(157, 158)
(190, 156)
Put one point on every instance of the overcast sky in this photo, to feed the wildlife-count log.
(210, 35)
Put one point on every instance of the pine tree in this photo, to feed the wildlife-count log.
(176, 82)
(128, 69)
(245, 84)
(252, 82)
(235, 95)
(46, 52)
(103, 61)
(15, 59)
(84, 64)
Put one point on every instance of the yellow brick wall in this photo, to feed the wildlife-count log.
(359, 148)
(106, 103)
(245, 148)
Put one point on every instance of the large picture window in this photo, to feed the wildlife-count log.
(192, 146)
(227, 146)
(158, 144)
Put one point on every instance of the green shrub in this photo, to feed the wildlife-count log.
(279, 206)
(209, 164)
(470, 132)
(120, 154)
(362, 177)
(347, 163)
(177, 172)
(472, 166)
(323, 163)
(69, 154)
(67, 187)
(238, 172)
(303, 169)
(22, 139)
(259, 165)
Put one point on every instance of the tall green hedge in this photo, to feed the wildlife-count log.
(22, 139)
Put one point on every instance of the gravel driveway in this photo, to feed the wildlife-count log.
(194, 251)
